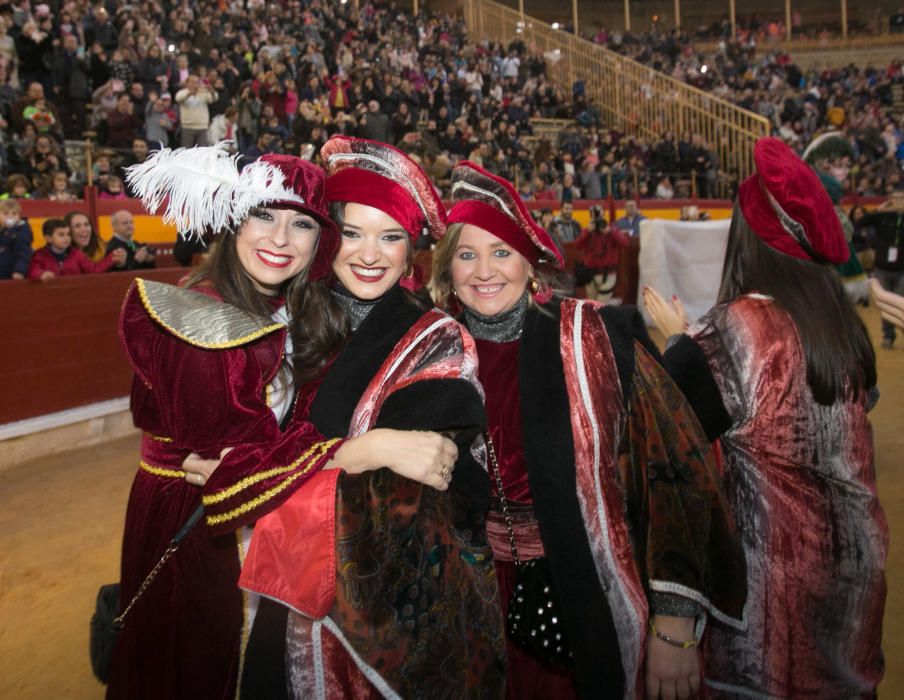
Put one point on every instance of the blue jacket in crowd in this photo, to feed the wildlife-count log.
(15, 249)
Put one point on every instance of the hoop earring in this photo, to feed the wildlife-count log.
(533, 285)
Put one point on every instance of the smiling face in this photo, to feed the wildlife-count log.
(489, 276)
(274, 245)
(81, 230)
(373, 254)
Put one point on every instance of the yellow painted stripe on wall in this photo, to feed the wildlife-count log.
(148, 229)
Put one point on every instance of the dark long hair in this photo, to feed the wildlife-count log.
(94, 242)
(316, 329)
(840, 358)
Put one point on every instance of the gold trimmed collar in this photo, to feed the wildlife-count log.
(201, 320)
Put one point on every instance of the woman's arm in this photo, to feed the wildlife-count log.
(891, 305)
(251, 480)
(686, 544)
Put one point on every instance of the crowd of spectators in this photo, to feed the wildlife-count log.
(285, 77)
(859, 101)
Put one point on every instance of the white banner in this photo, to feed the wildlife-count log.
(683, 258)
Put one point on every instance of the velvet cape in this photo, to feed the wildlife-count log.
(408, 605)
(624, 488)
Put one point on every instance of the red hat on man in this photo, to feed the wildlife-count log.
(381, 176)
(786, 205)
(491, 203)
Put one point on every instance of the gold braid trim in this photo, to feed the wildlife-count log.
(159, 438)
(231, 343)
(249, 481)
(270, 493)
(246, 622)
(160, 471)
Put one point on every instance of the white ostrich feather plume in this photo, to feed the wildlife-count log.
(203, 189)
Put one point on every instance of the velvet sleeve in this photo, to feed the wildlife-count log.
(455, 408)
(686, 543)
(687, 365)
(254, 479)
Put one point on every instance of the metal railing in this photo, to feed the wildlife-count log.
(630, 96)
(803, 45)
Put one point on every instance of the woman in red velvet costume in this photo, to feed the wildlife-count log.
(215, 368)
(604, 467)
(783, 372)
(388, 583)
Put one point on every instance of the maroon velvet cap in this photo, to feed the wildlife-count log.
(491, 203)
(381, 176)
(786, 205)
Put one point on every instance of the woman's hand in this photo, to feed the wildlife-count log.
(418, 455)
(198, 470)
(670, 317)
(672, 673)
(891, 305)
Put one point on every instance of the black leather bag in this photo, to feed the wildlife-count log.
(104, 630)
(106, 625)
(534, 620)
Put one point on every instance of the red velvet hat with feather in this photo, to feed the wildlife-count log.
(201, 190)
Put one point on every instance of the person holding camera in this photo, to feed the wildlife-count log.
(598, 247)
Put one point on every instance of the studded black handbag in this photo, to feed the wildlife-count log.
(534, 620)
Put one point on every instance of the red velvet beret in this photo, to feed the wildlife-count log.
(380, 176)
(785, 204)
(491, 203)
(308, 182)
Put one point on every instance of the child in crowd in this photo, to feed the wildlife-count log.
(103, 165)
(112, 188)
(57, 188)
(40, 115)
(17, 187)
(59, 257)
(15, 241)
